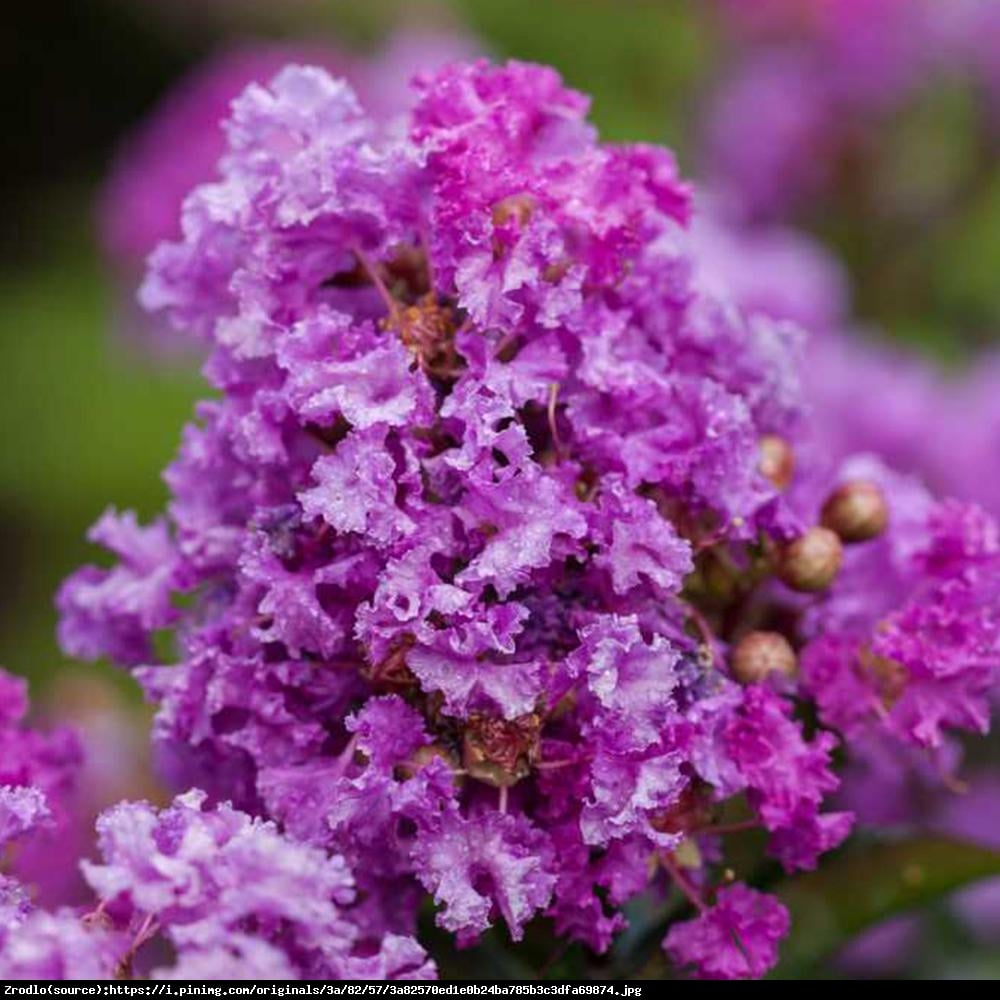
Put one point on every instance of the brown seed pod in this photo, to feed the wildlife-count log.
(777, 460)
(856, 511)
(811, 561)
(515, 207)
(501, 752)
(760, 654)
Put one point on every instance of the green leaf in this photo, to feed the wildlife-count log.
(858, 889)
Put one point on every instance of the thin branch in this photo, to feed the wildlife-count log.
(722, 829)
(682, 882)
(371, 269)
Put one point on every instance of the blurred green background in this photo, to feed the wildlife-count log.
(90, 418)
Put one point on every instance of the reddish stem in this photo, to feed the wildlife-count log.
(344, 760)
(722, 829)
(704, 630)
(372, 271)
(555, 765)
(682, 882)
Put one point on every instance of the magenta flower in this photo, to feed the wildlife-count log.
(179, 145)
(498, 479)
(38, 778)
(737, 938)
(232, 896)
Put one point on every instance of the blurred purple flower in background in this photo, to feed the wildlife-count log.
(814, 82)
(799, 131)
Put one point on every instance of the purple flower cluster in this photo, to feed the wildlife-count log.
(38, 777)
(486, 566)
(920, 650)
(178, 145)
(740, 914)
(234, 898)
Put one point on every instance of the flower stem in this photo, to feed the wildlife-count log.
(682, 882)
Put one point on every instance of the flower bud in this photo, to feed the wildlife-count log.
(760, 654)
(516, 207)
(777, 460)
(856, 511)
(501, 752)
(811, 561)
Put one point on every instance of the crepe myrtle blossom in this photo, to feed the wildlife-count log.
(177, 146)
(757, 920)
(845, 378)
(232, 896)
(39, 773)
(870, 398)
(493, 485)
